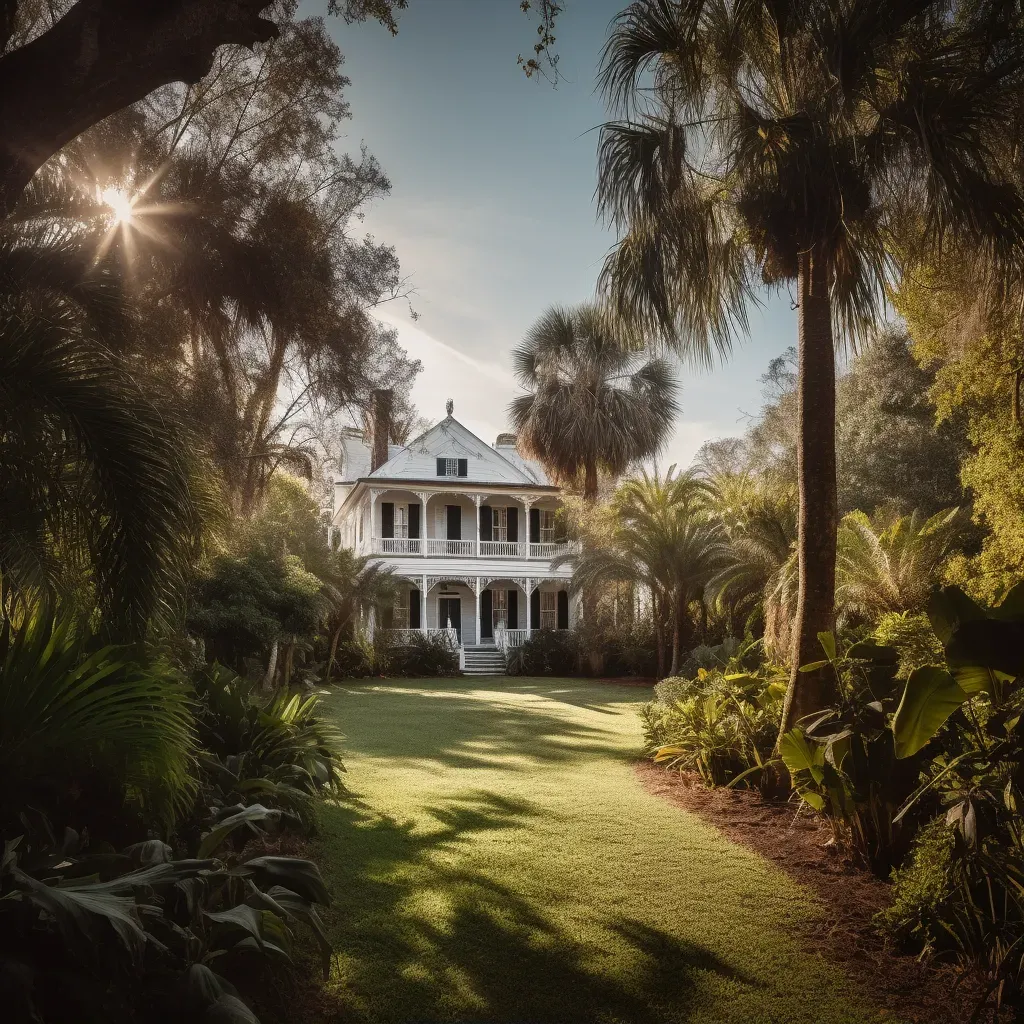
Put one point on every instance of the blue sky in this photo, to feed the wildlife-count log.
(491, 209)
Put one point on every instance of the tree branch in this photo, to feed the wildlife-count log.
(102, 56)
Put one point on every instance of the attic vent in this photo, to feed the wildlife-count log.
(505, 441)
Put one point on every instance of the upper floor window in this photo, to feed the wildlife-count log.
(402, 521)
(452, 467)
(499, 524)
(547, 526)
(548, 609)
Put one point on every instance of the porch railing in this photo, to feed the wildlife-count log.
(396, 546)
(501, 548)
(437, 546)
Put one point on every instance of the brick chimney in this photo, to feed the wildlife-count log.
(383, 400)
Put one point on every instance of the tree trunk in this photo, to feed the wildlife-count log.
(335, 637)
(268, 679)
(590, 483)
(816, 466)
(101, 57)
(677, 633)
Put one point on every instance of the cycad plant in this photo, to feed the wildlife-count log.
(596, 403)
(891, 567)
(795, 144)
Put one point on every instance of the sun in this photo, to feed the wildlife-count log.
(120, 203)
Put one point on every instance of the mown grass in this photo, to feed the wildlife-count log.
(499, 862)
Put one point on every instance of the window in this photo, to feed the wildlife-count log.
(499, 607)
(452, 467)
(547, 525)
(499, 524)
(401, 614)
(402, 521)
(548, 609)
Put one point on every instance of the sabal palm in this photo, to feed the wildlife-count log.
(595, 402)
(791, 142)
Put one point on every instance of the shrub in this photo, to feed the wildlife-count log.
(708, 658)
(422, 655)
(721, 726)
(546, 652)
(140, 931)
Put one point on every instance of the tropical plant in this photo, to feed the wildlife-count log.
(795, 143)
(596, 403)
(891, 567)
(81, 719)
(280, 751)
(967, 717)
(99, 502)
(661, 540)
(843, 761)
(140, 929)
(721, 724)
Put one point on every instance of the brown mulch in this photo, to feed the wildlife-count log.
(799, 844)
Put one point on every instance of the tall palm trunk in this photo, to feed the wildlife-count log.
(268, 678)
(590, 482)
(816, 468)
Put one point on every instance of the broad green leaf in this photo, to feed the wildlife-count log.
(815, 800)
(950, 607)
(251, 814)
(828, 645)
(930, 697)
(797, 754)
(300, 876)
(814, 665)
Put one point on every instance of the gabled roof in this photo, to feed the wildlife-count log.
(486, 464)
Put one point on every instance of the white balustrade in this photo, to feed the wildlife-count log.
(436, 546)
(501, 549)
(550, 549)
(396, 546)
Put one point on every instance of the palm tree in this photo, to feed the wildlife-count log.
(100, 497)
(792, 143)
(352, 584)
(663, 541)
(595, 403)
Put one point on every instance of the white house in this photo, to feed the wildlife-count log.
(470, 526)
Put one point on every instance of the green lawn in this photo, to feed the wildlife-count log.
(498, 861)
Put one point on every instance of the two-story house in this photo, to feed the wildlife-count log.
(471, 527)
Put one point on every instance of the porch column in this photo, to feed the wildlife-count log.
(478, 499)
(424, 497)
(476, 590)
(373, 516)
(528, 501)
(423, 606)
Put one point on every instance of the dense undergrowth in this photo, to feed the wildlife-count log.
(916, 767)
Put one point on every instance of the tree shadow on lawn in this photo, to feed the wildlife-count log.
(457, 730)
(422, 938)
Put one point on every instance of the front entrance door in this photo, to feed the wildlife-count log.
(450, 609)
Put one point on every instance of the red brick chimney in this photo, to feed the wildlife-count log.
(383, 400)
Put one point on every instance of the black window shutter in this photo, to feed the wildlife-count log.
(387, 519)
(513, 609)
(454, 524)
(414, 609)
(513, 523)
(387, 617)
(535, 527)
(534, 622)
(414, 522)
(563, 609)
(486, 626)
(463, 467)
(486, 521)
(440, 467)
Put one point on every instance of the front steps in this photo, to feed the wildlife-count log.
(483, 660)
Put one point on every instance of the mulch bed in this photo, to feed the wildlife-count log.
(923, 993)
